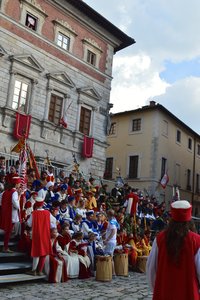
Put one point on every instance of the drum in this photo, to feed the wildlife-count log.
(121, 264)
(103, 268)
(141, 263)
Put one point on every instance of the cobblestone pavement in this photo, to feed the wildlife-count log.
(133, 287)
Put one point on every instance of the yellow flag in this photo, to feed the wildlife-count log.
(17, 148)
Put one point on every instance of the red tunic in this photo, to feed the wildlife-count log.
(177, 282)
(63, 240)
(6, 210)
(41, 243)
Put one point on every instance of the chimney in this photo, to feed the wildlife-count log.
(152, 103)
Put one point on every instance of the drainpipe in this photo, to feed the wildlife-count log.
(194, 170)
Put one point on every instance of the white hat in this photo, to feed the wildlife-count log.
(39, 199)
(50, 183)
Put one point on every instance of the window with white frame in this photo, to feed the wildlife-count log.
(31, 21)
(32, 15)
(92, 52)
(91, 57)
(136, 124)
(20, 96)
(63, 41)
(64, 35)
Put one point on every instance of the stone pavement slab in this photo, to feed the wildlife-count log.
(133, 287)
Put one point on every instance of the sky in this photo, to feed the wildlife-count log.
(164, 63)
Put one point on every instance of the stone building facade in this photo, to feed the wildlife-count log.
(56, 61)
(149, 142)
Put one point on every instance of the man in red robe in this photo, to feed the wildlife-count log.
(173, 266)
(9, 210)
(40, 221)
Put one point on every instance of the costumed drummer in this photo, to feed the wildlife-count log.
(173, 266)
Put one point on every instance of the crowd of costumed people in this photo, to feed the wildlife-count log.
(65, 222)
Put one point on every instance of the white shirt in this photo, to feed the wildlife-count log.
(108, 232)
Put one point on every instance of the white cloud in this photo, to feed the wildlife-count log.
(135, 80)
(182, 99)
(164, 30)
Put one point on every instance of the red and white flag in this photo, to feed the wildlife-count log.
(164, 181)
(22, 168)
(63, 121)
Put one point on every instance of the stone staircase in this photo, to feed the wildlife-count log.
(13, 266)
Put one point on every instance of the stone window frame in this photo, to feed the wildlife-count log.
(33, 8)
(89, 45)
(57, 96)
(20, 69)
(65, 29)
(27, 81)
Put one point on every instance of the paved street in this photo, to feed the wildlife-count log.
(124, 288)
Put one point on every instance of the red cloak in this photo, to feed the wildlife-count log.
(41, 241)
(6, 210)
(177, 281)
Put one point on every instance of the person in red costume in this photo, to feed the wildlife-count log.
(40, 221)
(173, 266)
(9, 210)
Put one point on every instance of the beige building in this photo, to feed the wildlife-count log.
(56, 61)
(145, 144)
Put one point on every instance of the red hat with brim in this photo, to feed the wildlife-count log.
(16, 180)
(181, 211)
(39, 201)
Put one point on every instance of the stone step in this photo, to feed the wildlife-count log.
(15, 256)
(19, 278)
(11, 243)
(9, 268)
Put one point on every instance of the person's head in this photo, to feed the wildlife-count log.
(90, 215)
(12, 169)
(63, 204)
(78, 236)
(62, 174)
(44, 175)
(31, 172)
(54, 233)
(92, 236)
(65, 228)
(110, 214)
(99, 216)
(179, 226)
(34, 195)
(50, 186)
(81, 203)
(39, 202)
(63, 188)
(72, 201)
(77, 219)
(54, 211)
(2, 161)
